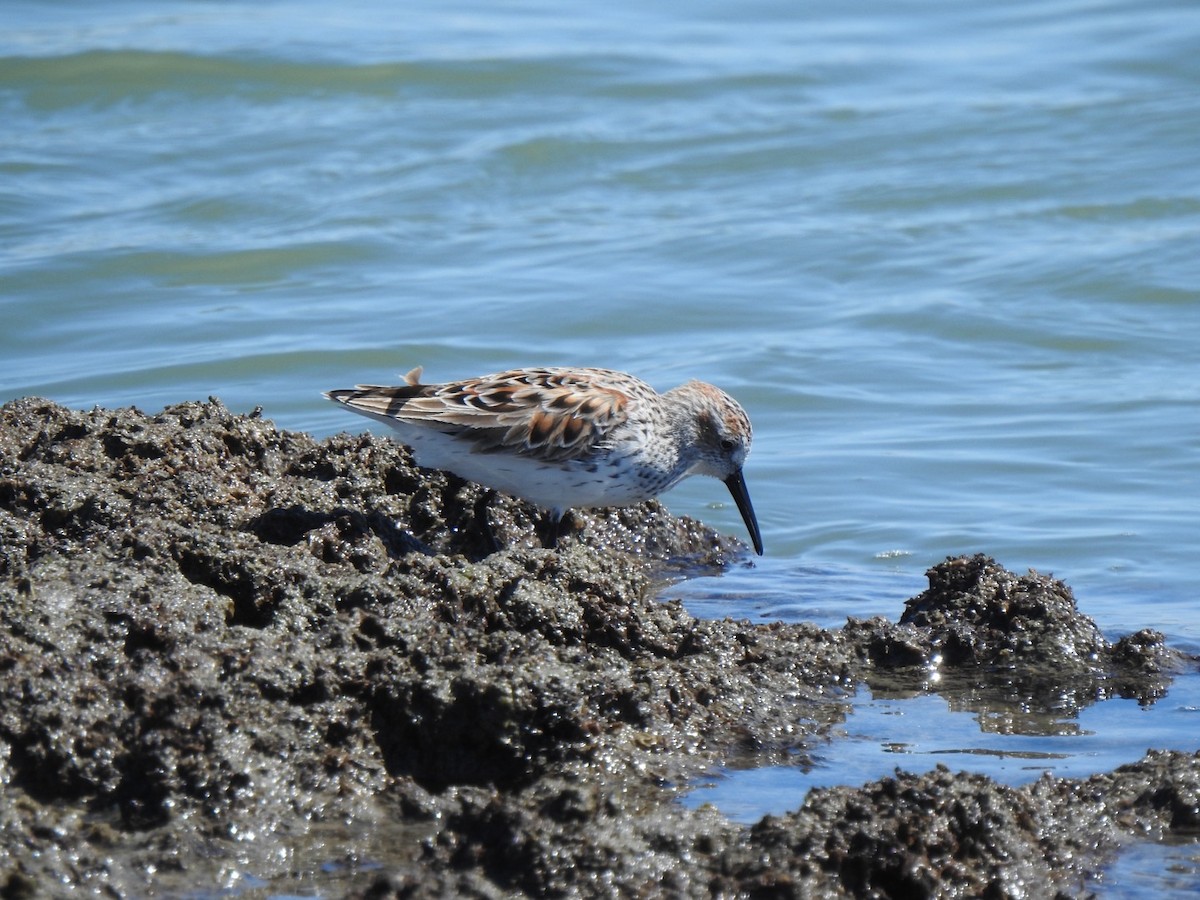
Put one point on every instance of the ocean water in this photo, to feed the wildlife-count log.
(947, 256)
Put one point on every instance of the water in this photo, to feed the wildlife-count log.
(1165, 871)
(916, 731)
(946, 255)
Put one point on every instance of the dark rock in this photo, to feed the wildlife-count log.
(228, 648)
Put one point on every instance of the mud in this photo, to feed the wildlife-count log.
(229, 649)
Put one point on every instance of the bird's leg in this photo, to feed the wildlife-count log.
(550, 527)
(483, 521)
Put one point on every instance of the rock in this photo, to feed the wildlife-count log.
(226, 648)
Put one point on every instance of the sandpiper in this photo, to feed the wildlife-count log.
(566, 438)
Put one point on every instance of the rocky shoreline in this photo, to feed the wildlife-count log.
(227, 648)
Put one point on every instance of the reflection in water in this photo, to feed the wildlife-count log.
(1169, 870)
(1010, 729)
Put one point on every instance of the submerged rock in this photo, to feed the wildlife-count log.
(227, 648)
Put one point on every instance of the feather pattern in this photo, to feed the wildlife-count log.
(551, 414)
(567, 437)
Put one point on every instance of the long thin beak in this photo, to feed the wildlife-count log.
(737, 486)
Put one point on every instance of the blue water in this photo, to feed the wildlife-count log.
(946, 255)
(916, 732)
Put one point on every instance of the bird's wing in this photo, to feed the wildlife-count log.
(548, 414)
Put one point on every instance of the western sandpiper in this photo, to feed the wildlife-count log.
(563, 438)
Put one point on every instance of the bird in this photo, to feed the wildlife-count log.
(565, 438)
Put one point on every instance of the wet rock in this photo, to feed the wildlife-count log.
(978, 612)
(227, 648)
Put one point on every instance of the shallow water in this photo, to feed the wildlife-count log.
(1166, 871)
(915, 731)
(946, 256)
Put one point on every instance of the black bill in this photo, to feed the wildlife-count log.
(737, 486)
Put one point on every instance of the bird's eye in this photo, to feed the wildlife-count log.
(728, 444)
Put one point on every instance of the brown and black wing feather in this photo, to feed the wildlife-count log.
(549, 414)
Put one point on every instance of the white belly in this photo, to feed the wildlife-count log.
(560, 485)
